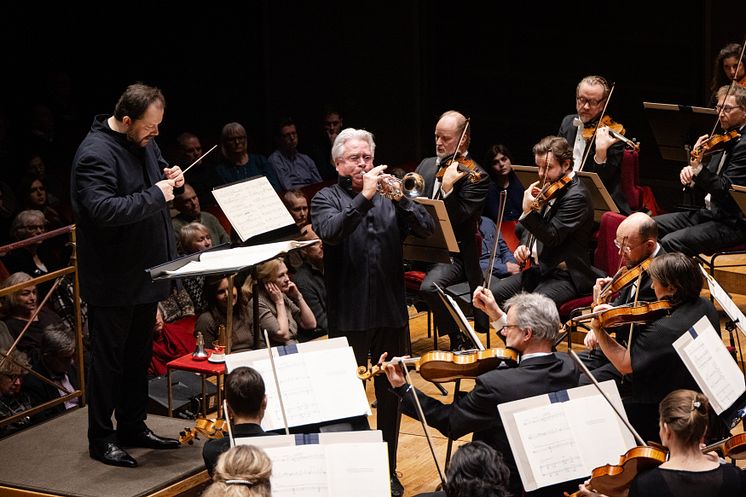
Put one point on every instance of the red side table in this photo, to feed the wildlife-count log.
(205, 369)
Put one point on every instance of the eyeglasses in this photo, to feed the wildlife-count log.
(12, 377)
(591, 103)
(727, 109)
(505, 328)
(627, 248)
(356, 158)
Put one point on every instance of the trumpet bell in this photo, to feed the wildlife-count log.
(411, 185)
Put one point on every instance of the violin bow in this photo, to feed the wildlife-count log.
(500, 215)
(593, 138)
(585, 369)
(277, 381)
(425, 427)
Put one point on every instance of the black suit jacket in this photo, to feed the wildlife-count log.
(563, 235)
(610, 172)
(216, 446)
(477, 411)
(464, 206)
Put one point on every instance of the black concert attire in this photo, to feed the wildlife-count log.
(124, 228)
(562, 230)
(464, 205)
(610, 171)
(310, 281)
(476, 412)
(215, 446)
(722, 225)
(364, 275)
(724, 481)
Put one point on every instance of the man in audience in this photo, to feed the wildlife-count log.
(309, 278)
(188, 205)
(297, 203)
(244, 393)
(293, 168)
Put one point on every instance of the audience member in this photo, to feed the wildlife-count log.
(13, 400)
(32, 195)
(504, 263)
(238, 163)
(499, 165)
(309, 278)
(297, 203)
(187, 203)
(293, 168)
(283, 311)
(242, 471)
(726, 68)
(331, 124)
(56, 363)
(203, 176)
(209, 322)
(244, 394)
(195, 237)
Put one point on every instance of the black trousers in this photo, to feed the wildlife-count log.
(557, 285)
(696, 232)
(378, 341)
(121, 346)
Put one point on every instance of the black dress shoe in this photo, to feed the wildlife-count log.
(397, 489)
(147, 439)
(111, 454)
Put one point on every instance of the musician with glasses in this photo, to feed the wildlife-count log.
(606, 152)
(530, 328)
(720, 224)
(363, 267)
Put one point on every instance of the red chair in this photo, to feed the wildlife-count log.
(176, 339)
(640, 198)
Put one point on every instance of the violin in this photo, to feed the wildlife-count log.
(550, 191)
(641, 312)
(465, 165)
(733, 447)
(614, 480)
(621, 279)
(440, 366)
(714, 143)
(209, 428)
(590, 130)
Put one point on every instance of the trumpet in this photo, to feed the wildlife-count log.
(411, 185)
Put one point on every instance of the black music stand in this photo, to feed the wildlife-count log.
(439, 246)
(677, 127)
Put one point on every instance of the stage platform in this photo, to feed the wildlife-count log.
(52, 459)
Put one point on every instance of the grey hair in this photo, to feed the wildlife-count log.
(352, 134)
(535, 311)
(22, 218)
(58, 340)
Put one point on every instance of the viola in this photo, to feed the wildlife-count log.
(624, 277)
(440, 366)
(733, 447)
(614, 480)
(209, 428)
(465, 165)
(641, 312)
(714, 143)
(550, 191)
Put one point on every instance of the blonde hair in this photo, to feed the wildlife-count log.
(265, 272)
(242, 471)
(189, 233)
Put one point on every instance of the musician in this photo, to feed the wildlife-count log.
(247, 402)
(242, 471)
(362, 234)
(606, 152)
(464, 200)
(637, 241)
(120, 188)
(650, 358)
(531, 329)
(561, 229)
(683, 416)
(721, 223)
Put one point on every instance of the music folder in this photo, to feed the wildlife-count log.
(439, 246)
(600, 196)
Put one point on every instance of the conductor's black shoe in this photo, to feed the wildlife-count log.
(397, 489)
(147, 439)
(111, 454)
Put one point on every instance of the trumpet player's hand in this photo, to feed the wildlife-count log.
(521, 254)
(370, 181)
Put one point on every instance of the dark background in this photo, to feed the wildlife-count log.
(391, 67)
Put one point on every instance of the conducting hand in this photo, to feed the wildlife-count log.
(175, 174)
(167, 187)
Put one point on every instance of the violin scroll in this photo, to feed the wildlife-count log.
(209, 428)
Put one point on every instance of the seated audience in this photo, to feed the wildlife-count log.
(282, 309)
(187, 203)
(504, 264)
(297, 203)
(309, 278)
(499, 166)
(293, 168)
(242, 471)
(238, 163)
(244, 394)
(331, 124)
(203, 177)
(209, 322)
(56, 363)
(12, 398)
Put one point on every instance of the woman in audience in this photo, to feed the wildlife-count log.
(12, 399)
(242, 471)
(282, 308)
(209, 322)
(193, 238)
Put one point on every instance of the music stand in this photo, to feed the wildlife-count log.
(439, 246)
(600, 197)
(676, 127)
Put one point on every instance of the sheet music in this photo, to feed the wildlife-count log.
(252, 207)
(711, 365)
(558, 438)
(357, 473)
(730, 307)
(237, 258)
(299, 471)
